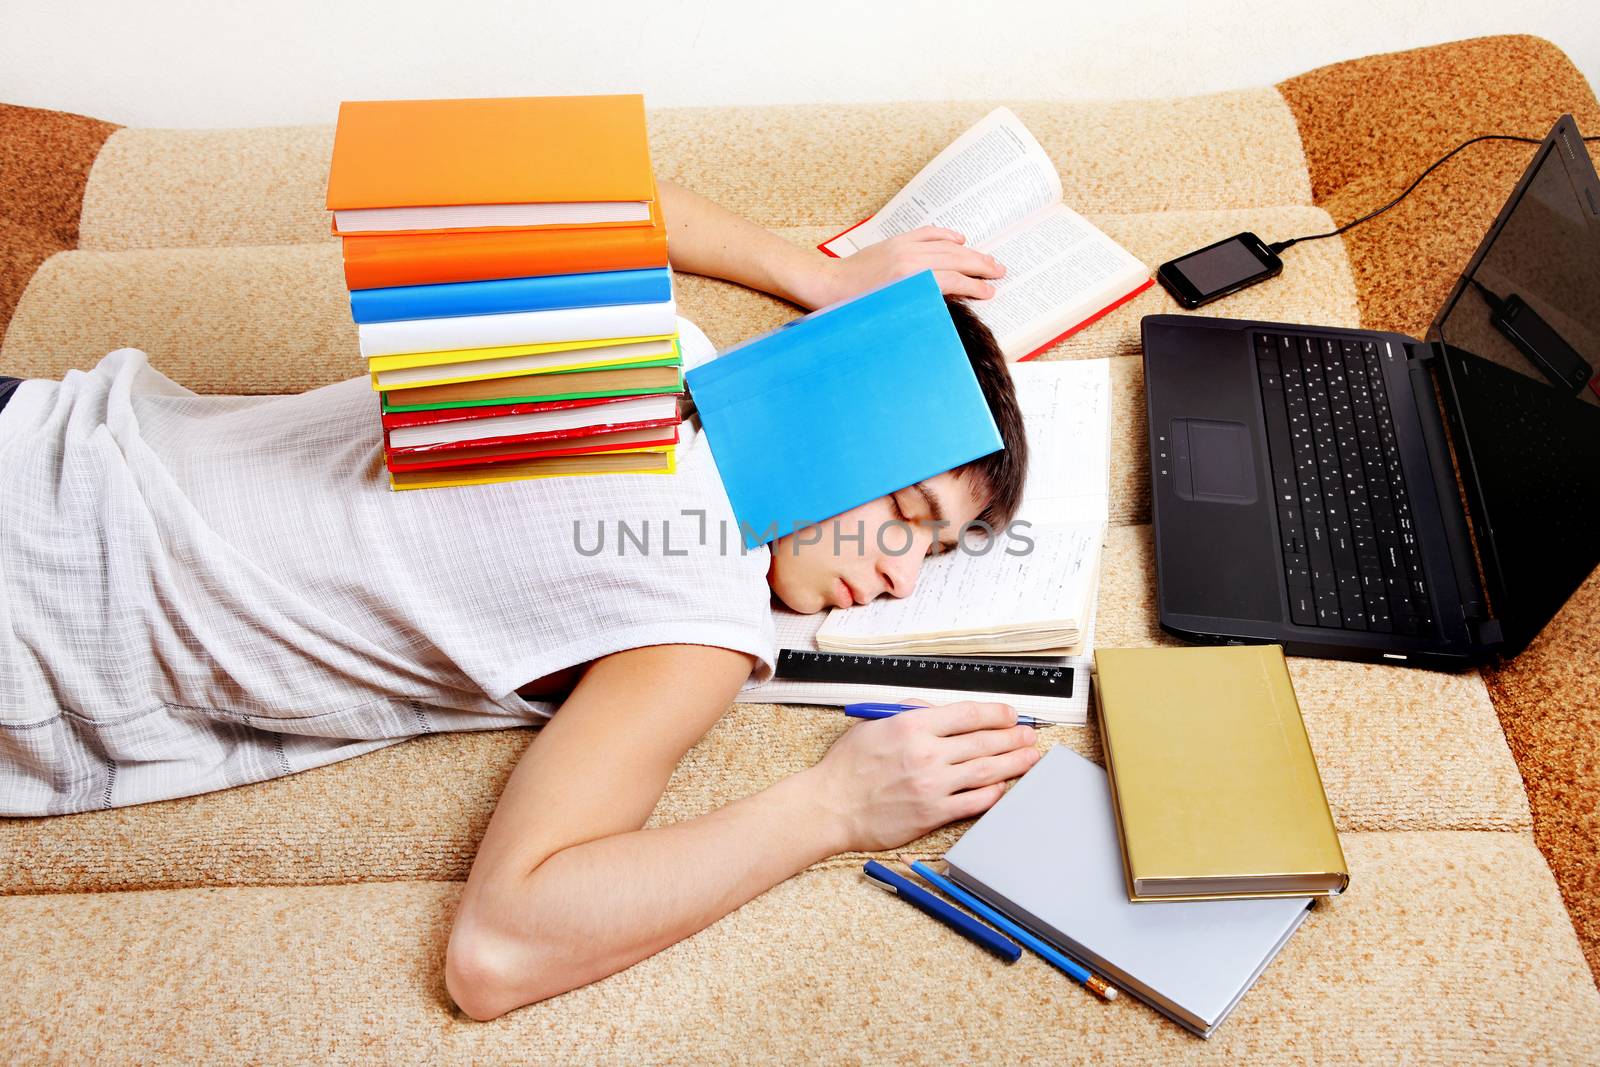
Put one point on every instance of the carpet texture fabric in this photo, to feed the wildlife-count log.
(818, 969)
(45, 158)
(1369, 128)
(209, 188)
(306, 918)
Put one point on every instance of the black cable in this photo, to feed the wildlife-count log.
(1279, 246)
(1489, 298)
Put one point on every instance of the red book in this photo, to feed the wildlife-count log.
(496, 451)
(999, 189)
(553, 438)
(546, 420)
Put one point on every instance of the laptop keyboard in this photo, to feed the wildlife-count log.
(1349, 544)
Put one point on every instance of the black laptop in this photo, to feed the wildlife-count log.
(1362, 495)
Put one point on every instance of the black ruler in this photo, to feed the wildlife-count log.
(1013, 677)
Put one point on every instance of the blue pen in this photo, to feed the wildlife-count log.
(883, 711)
(1072, 968)
(928, 904)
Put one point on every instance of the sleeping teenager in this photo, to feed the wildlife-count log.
(198, 592)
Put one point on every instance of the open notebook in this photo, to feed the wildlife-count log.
(996, 186)
(1032, 591)
(1066, 410)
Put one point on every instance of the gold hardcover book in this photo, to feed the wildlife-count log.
(1213, 779)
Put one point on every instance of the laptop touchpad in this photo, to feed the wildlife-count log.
(1213, 461)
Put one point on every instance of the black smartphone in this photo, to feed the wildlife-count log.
(1212, 272)
(1544, 347)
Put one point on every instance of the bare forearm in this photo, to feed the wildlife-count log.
(705, 238)
(595, 908)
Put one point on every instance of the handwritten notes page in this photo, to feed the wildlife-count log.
(1066, 409)
(1002, 601)
(1032, 589)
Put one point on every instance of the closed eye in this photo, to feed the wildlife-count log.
(934, 546)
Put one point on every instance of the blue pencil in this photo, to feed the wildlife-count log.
(935, 908)
(1066, 964)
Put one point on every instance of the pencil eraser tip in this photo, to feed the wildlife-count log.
(1111, 992)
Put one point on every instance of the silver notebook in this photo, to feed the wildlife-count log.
(1047, 856)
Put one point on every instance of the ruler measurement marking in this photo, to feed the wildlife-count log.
(1019, 679)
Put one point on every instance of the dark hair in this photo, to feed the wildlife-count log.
(1001, 473)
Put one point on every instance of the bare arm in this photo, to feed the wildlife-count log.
(567, 887)
(705, 238)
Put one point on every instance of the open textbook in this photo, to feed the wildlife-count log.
(1030, 590)
(1066, 411)
(797, 633)
(995, 186)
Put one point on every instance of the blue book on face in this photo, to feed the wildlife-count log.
(840, 407)
(452, 299)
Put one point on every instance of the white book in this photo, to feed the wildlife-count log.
(488, 216)
(996, 186)
(1033, 590)
(641, 409)
(1048, 857)
(517, 327)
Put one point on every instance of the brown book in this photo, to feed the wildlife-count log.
(1214, 782)
(543, 386)
(647, 461)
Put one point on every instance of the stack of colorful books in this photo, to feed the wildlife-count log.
(507, 265)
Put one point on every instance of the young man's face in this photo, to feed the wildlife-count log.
(875, 549)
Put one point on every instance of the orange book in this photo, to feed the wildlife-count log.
(498, 163)
(377, 261)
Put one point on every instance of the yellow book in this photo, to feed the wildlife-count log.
(658, 460)
(1213, 779)
(377, 364)
(482, 370)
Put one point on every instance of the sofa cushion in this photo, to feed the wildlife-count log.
(1369, 127)
(45, 158)
(1456, 949)
(205, 188)
(1372, 125)
(323, 899)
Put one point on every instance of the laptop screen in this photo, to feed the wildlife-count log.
(1521, 335)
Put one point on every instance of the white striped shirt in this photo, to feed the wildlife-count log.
(201, 591)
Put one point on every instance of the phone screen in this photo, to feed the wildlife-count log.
(1217, 270)
(1220, 266)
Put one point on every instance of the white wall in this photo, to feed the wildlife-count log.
(194, 63)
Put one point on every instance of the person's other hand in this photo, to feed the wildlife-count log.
(889, 781)
(960, 271)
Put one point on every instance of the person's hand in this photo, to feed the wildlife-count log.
(889, 781)
(960, 271)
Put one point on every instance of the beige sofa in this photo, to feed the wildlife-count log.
(305, 919)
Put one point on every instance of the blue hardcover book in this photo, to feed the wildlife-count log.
(451, 299)
(849, 403)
